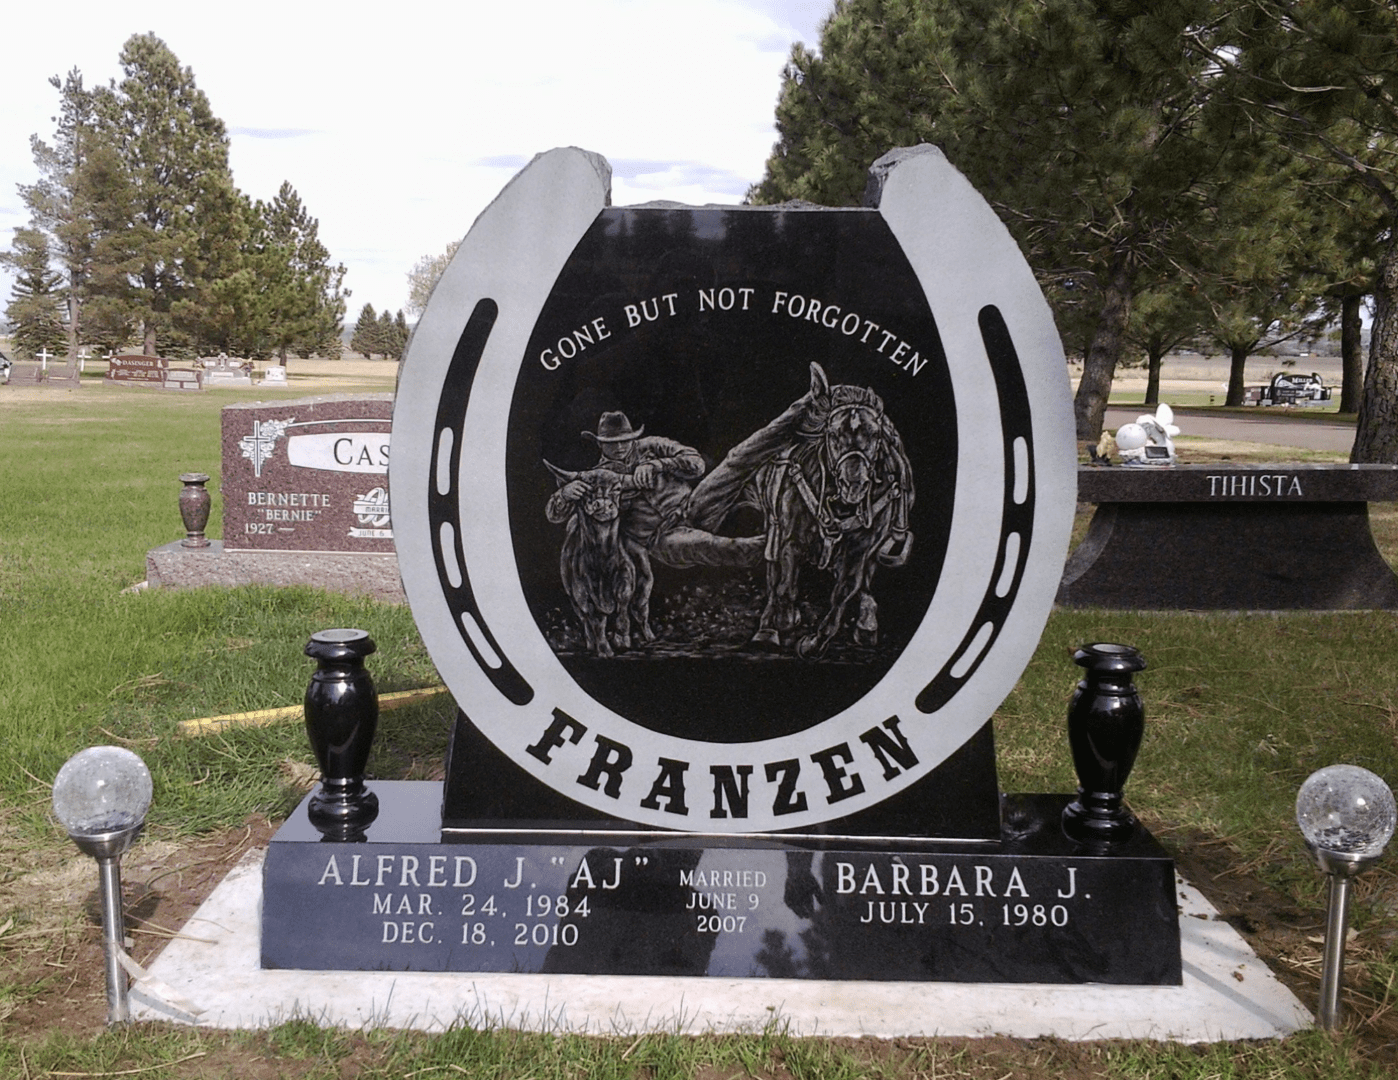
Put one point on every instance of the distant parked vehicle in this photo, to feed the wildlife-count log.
(5, 366)
(1287, 388)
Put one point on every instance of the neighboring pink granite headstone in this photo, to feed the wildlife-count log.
(137, 370)
(307, 475)
(305, 501)
(141, 370)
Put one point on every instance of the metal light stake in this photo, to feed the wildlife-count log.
(1347, 816)
(101, 796)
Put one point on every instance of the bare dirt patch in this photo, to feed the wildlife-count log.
(51, 965)
(1290, 939)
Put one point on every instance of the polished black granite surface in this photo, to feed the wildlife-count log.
(1252, 538)
(1035, 907)
(1220, 482)
(484, 789)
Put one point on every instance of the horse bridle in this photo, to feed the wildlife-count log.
(857, 454)
(832, 528)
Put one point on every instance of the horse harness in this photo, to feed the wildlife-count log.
(833, 528)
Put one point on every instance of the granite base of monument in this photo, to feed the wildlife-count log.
(174, 566)
(1034, 907)
(213, 967)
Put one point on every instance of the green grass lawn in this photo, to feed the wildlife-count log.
(1241, 709)
(91, 485)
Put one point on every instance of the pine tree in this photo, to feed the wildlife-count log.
(226, 309)
(1361, 223)
(109, 312)
(141, 216)
(366, 333)
(174, 153)
(1089, 126)
(55, 201)
(387, 334)
(1324, 74)
(1162, 319)
(400, 334)
(1266, 249)
(34, 310)
(306, 294)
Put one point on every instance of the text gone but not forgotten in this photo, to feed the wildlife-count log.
(739, 299)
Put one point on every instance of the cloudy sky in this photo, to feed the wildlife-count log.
(397, 125)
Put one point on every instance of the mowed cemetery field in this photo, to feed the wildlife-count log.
(1241, 708)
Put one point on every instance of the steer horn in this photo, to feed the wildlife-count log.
(563, 476)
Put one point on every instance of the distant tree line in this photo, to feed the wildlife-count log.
(382, 335)
(137, 234)
(1176, 171)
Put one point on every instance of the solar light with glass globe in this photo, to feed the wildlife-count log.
(1347, 816)
(101, 796)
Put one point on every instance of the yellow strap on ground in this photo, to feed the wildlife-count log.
(262, 717)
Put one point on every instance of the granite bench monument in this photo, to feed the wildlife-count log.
(1233, 537)
(728, 530)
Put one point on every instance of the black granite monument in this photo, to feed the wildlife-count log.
(728, 529)
(1236, 537)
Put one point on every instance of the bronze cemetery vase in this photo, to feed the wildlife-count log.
(195, 502)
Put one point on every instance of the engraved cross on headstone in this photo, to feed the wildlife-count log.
(257, 447)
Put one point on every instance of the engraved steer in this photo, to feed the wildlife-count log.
(605, 579)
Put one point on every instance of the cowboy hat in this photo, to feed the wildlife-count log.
(614, 427)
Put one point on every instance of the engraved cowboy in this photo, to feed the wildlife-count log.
(653, 517)
(675, 508)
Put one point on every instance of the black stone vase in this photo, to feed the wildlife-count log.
(342, 714)
(195, 501)
(1105, 724)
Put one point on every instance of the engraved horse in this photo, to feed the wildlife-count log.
(837, 499)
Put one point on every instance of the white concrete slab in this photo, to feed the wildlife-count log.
(1228, 993)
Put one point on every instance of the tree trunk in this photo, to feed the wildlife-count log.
(1099, 365)
(1153, 364)
(1376, 437)
(149, 347)
(1237, 369)
(72, 328)
(1351, 356)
